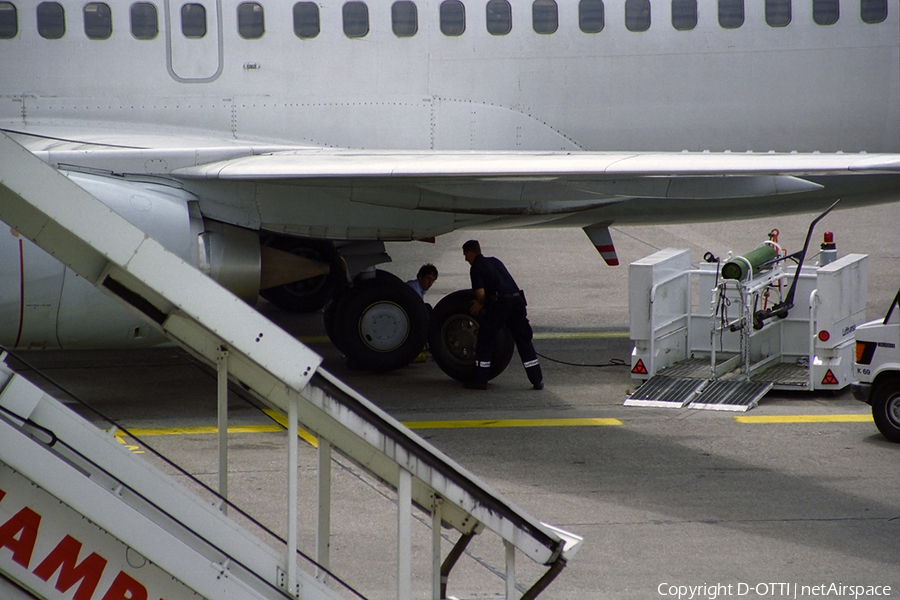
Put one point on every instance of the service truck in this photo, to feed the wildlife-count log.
(878, 370)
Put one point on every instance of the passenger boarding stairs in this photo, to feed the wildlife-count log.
(79, 512)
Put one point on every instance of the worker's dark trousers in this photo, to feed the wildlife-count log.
(512, 313)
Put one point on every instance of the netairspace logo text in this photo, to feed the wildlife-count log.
(724, 591)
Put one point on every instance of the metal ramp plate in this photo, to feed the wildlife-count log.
(737, 396)
(689, 368)
(785, 375)
(665, 392)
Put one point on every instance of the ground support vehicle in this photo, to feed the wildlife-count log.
(744, 339)
(878, 370)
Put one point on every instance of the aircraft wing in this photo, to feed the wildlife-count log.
(475, 185)
(329, 164)
(229, 159)
(515, 183)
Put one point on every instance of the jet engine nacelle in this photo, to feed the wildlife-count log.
(45, 305)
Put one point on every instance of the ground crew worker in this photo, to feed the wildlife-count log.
(425, 278)
(495, 288)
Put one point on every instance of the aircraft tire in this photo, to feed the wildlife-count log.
(380, 324)
(451, 338)
(380, 276)
(886, 408)
(329, 318)
(332, 307)
(308, 295)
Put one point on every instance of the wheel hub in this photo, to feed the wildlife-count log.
(384, 326)
(893, 409)
(459, 334)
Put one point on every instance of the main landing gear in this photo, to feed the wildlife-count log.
(377, 321)
(381, 324)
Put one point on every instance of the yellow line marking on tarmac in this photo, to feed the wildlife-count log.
(476, 424)
(313, 441)
(131, 447)
(856, 418)
(282, 420)
(207, 430)
(582, 335)
(511, 423)
(202, 430)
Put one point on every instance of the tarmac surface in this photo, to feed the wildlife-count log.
(800, 492)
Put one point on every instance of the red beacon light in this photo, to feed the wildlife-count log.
(829, 249)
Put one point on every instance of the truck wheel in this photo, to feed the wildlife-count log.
(451, 338)
(886, 408)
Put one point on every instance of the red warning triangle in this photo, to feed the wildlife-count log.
(640, 369)
(830, 379)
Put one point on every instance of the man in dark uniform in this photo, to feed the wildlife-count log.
(495, 288)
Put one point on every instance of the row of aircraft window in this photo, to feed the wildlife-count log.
(51, 19)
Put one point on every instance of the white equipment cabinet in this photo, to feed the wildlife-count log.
(698, 341)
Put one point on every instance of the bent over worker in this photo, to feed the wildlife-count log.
(495, 288)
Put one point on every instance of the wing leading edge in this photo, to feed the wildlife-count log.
(332, 164)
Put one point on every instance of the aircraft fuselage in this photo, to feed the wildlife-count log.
(757, 87)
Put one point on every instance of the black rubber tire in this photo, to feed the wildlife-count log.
(330, 313)
(451, 338)
(308, 295)
(380, 276)
(329, 318)
(380, 325)
(886, 408)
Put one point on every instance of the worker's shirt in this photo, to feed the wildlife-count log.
(414, 284)
(490, 274)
